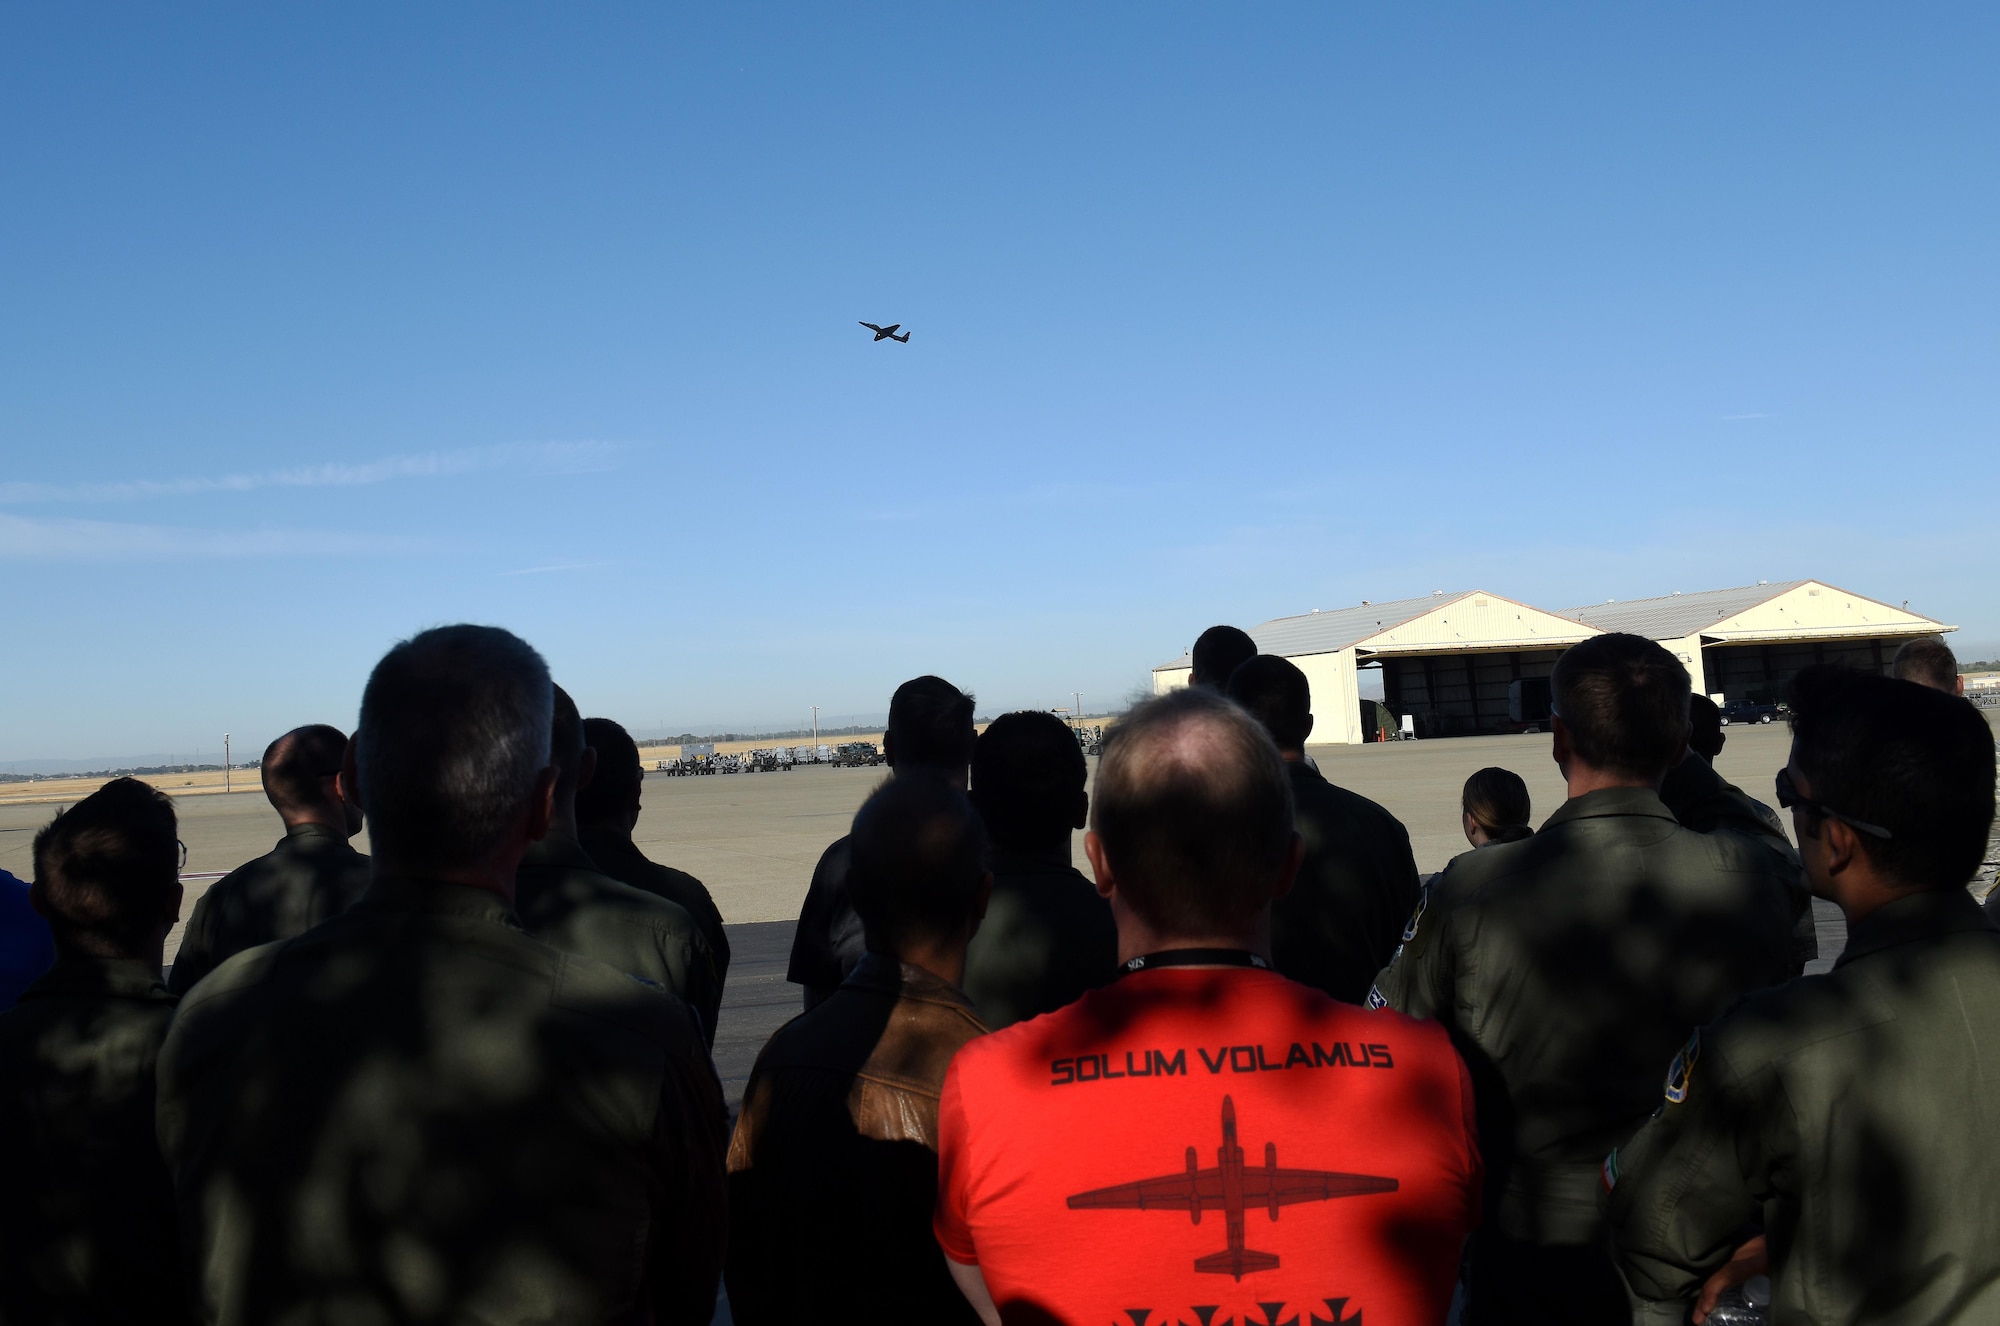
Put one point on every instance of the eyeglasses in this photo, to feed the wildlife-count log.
(184, 854)
(1788, 796)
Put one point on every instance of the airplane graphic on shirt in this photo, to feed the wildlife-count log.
(1233, 1187)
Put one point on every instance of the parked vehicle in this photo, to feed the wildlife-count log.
(857, 755)
(1752, 711)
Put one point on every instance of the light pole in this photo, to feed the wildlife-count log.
(225, 761)
(1079, 705)
(815, 751)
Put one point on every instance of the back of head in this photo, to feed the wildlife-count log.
(108, 868)
(918, 857)
(1277, 695)
(1927, 661)
(612, 790)
(1497, 800)
(1903, 757)
(1217, 654)
(566, 742)
(454, 733)
(1194, 812)
(1705, 727)
(1624, 701)
(930, 726)
(297, 766)
(1027, 777)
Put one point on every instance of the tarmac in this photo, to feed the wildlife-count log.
(754, 839)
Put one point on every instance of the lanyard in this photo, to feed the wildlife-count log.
(1196, 957)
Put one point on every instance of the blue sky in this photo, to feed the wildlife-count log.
(320, 324)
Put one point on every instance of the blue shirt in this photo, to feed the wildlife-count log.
(27, 949)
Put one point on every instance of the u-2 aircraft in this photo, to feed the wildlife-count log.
(1232, 1186)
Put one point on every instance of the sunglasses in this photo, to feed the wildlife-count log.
(1788, 797)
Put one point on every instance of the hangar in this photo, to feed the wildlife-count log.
(1461, 664)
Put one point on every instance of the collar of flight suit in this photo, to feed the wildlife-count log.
(877, 973)
(1606, 802)
(1301, 772)
(434, 897)
(1925, 914)
(116, 978)
(560, 852)
(310, 836)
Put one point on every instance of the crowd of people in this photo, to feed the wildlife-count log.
(1575, 1077)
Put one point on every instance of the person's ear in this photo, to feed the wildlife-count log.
(1295, 856)
(171, 914)
(889, 749)
(349, 783)
(1840, 846)
(542, 805)
(1081, 820)
(38, 898)
(1559, 746)
(586, 768)
(1100, 865)
(982, 898)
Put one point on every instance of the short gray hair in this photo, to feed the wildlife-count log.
(454, 733)
(1194, 809)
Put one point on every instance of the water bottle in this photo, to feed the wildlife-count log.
(1746, 1305)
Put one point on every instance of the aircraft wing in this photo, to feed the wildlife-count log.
(1169, 1192)
(871, 326)
(1286, 1186)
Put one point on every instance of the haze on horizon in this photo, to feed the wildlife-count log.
(325, 325)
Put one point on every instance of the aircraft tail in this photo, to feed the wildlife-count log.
(904, 338)
(1238, 1264)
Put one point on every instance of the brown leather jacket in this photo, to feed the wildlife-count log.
(833, 1167)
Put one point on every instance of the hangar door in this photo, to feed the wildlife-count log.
(1759, 671)
(1464, 693)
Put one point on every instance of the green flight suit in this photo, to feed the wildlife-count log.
(618, 856)
(1047, 938)
(86, 1212)
(1706, 802)
(312, 873)
(416, 1112)
(1853, 1116)
(1568, 967)
(562, 897)
(1356, 885)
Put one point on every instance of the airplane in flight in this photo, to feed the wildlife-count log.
(888, 332)
(1232, 1186)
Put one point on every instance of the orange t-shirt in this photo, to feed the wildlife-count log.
(1212, 1145)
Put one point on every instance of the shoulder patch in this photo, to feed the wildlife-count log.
(1681, 1071)
(1417, 916)
(1375, 999)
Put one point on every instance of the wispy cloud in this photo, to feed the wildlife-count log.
(1731, 418)
(23, 539)
(556, 566)
(542, 457)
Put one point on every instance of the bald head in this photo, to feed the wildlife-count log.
(1193, 813)
(301, 777)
